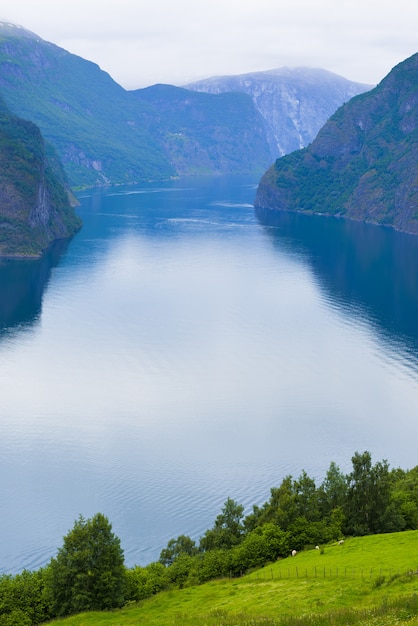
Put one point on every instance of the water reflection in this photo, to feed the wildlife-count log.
(22, 286)
(374, 269)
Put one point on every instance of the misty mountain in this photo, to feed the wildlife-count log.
(294, 102)
(362, 164)
(107, 135)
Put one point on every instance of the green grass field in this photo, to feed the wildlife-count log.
(365, 581)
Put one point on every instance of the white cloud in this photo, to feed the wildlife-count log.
(141, 43)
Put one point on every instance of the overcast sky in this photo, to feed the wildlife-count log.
(143, 42)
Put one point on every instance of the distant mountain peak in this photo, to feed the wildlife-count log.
(7, 28)
(295, 102)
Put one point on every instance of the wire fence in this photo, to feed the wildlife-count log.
(327, 572)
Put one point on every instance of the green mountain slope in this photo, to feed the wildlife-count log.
(34, 204)
(79, 109)
(362, 164)
(105, 134)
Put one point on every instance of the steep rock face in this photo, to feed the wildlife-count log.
(34, 204)
(362, 164)
(294, 102)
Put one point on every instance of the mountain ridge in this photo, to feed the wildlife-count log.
(105, 134)
(294, 102)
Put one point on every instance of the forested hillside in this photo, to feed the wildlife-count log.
(34, 197)
(362, 164)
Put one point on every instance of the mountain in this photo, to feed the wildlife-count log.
(80, 110)
(362, 164)
(107, 135)
(34, 203)
(205, 133)
(294, 102)
(104, 134)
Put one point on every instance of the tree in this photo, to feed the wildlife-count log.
(88, 572)
(333, 491)
(368, 508)
(307, 497)
(282, 508)
(175, 547)
(228, 528)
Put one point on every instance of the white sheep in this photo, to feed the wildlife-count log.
(294, 552)
(341, 541)
(316, 547)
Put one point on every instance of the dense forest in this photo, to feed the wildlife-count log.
(88, 572)
(35, 206)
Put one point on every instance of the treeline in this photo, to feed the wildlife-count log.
(88, 572)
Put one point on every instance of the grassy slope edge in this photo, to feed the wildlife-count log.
(366, 580)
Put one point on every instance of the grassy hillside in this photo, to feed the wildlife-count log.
(364, 581)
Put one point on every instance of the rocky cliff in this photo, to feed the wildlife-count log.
(362, 164)
(294, 102)
(35, 207)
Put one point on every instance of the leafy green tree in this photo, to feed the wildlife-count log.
(212, 564)
(24, 599)
(333, 491)
(88, 572)
(175, 547)
(369, 507)
(282, 508)
(262, 545)
(405, 496)
(144, 582)
(306, 497)
(228, 528)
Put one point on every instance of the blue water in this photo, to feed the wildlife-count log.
(184, 348)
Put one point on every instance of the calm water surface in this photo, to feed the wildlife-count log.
(183, 349)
